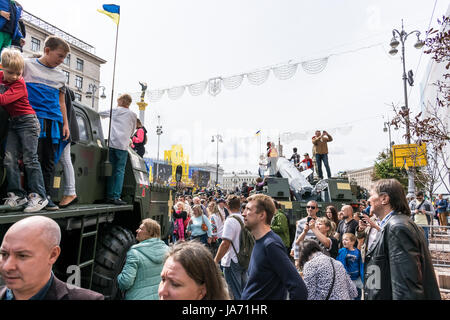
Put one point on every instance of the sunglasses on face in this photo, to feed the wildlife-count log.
(310, 207)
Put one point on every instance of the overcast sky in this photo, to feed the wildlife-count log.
(177, 42)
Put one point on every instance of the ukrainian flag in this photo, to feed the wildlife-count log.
(112, 11)
(258, 133)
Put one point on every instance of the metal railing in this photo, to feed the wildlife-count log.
(439, 245)
(51, 29)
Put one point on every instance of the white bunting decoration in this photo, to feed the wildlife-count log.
(233, 82)
(214, 85)
(258, 77)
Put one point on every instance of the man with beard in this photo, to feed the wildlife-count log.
(271, 274)
(398, 264)
(347, 224)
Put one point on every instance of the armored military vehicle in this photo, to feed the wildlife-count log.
(293, 192)
(95, 235)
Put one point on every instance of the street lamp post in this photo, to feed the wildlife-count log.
(387, 128)
(218, 139)
(403, 35)
(159, 133)
(91, 93)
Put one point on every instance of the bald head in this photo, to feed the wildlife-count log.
(41, 227)
(348, 211)
(29, 250)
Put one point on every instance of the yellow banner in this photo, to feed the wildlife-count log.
(343, 186)
(286, 204)
(409, 155)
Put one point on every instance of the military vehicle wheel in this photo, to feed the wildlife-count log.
(110, 259)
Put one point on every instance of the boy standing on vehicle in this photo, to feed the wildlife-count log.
(23, 135)
(123, 125)
(46, 92)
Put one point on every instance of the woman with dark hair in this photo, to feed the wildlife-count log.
(190, 273)
(325, 278)
(332, 214)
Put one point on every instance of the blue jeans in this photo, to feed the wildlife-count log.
(23, 136)
(319, 159)
(236, 278)
(203, 238)
(426, 230)
(118, 159)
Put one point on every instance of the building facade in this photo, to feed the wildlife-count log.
(81, 67)
(235, 179)
(363, 177)
(212, 169)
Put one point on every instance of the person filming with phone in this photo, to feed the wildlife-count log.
(367, 230)
(311, 208)
(320, 142)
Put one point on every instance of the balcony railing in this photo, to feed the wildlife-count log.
(51, 29)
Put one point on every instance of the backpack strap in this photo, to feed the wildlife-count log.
(242, 226)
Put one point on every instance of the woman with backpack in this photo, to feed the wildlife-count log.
(139, 139)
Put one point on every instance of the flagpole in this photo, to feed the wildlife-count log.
(112, 91)
(259, 144)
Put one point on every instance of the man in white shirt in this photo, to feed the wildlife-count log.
(235, 275)
(123, 125)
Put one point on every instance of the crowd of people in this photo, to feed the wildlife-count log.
(239, 248)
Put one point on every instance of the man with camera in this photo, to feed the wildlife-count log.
(367, 229)
(311, 208)
(320, 142)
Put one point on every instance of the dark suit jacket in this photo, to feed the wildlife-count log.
(60, 291)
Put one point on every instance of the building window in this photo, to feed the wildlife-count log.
(79, 82)
(80, 64)
(35, 44)
(77, 97)
(67, 60)
(67, 74)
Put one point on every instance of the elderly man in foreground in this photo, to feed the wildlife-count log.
(29, 249)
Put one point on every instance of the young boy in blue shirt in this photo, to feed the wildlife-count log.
(350, 257)
(46, 93)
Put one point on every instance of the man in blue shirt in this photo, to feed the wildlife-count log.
(442, 205)
(271, 275)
